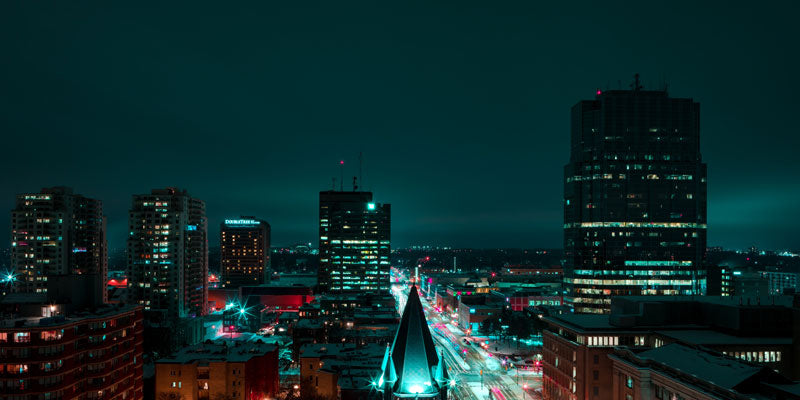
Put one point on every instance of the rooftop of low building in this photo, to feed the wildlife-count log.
(725, 372)
(59, 314)
(707, 337)
(342, 350)
(220, 350)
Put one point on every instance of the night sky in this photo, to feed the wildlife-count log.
(461, 110)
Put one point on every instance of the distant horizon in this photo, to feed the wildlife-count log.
(449, 248)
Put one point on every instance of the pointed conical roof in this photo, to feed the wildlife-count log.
(441, 371)
(413, 351)
(392, 376)
(388, 373)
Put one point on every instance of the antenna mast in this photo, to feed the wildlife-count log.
(636, 85)
(341, 176)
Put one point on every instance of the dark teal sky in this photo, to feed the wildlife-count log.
(461, 109)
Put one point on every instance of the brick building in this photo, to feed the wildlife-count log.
(676, 371)
(576, 347)
(55, 351)
(236, 369)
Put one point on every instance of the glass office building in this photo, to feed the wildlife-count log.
(354, 242)
(634, 199)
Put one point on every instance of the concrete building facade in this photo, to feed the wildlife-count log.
(168, 254)
(56, 232)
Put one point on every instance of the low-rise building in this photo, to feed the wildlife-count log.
(431, 282)
(576, 346)
(277, 297)
(308, 331)
(337, 305)
(472, 310)
(333, 370)
(718, 280)
(530, 297)
(55, 351)
(676, 371)
(749, 284)
(781, 282)
(233, 369)
(518, 269)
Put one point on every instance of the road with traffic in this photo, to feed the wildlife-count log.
(478, 374)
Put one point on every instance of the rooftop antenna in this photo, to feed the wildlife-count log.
(341, 175)
(636, 85)
(355, 184)
(360, 162)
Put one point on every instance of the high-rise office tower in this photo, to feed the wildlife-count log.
(354, 242)
(634, 198)
(56, 232)
(168, 254)
(244, 248)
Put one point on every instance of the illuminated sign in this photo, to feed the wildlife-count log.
(242, 222)
(370, 206)
(191, 227)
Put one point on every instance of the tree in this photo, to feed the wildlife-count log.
(538, 325)
(520, 327)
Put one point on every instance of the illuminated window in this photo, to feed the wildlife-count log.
(17, 368)
(22, 337)
(52, 335)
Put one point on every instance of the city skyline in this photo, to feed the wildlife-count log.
(467, 138)
(396, 201)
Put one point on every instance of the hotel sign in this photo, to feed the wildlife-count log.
(242, 222)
